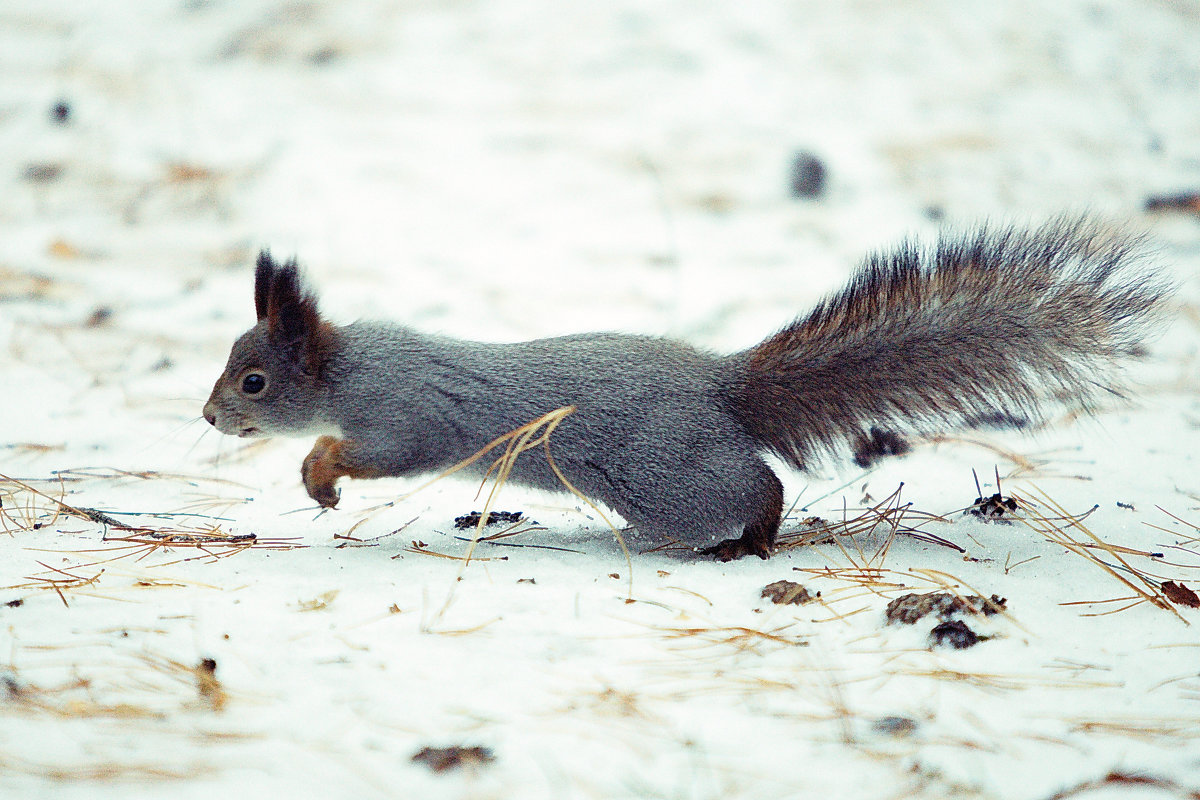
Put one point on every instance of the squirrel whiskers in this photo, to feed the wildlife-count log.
(996, 326)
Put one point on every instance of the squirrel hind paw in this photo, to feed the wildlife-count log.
(758, 538)
(733, 549)
(877, 444)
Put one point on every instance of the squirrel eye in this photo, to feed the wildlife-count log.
(254, 383)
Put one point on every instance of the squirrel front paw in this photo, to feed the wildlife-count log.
(321, 470)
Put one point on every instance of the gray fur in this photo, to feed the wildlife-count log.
(650, 436)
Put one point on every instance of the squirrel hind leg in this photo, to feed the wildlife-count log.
(758, 537)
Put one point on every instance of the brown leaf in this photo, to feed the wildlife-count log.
(1180, 595)
(440, 759)
(788, 592)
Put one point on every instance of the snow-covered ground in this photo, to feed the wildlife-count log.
(527, 168)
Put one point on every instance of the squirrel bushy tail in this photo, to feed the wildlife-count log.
(995, 326)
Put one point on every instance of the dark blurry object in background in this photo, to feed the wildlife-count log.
(1185, 201)
(61, 112)
(807, 176)
(42, 172)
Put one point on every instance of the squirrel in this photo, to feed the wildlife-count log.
(992, 327)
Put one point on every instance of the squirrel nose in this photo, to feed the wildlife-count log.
(210, 415)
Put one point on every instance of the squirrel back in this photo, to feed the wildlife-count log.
(994, 326)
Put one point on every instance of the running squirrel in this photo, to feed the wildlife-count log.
(998, 326)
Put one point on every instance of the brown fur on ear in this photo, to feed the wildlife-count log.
(264, 270)
(293, 320)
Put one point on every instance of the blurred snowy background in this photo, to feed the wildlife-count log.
(516, 169)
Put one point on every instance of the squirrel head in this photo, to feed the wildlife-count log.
(273, 382)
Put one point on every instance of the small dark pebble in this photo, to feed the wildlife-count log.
(806, 178)
(494, 518)
(323, 55)
(1127, 506)
(61, 112)
(15, 603)
(898, 727)
(42, 173)
(441, 759)
(954, 633)
(100, 316)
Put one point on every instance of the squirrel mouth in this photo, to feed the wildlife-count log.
(245, 432)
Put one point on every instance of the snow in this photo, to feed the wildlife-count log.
(521, 169)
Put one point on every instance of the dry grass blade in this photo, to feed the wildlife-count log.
(422, 549)
(531, 436)
(899, 518)
(35, 447)
(1148, 591)
(1124, 780)
(869, 578)
(1193, 526)
(114, 473)
(20, 511)
(139, 696)
(38, 509)
(516, 442)
(57, 581)
(32, 699)
(32, 514)
(210, 692)
(107, 771)
(514, 530)
(211, 541)
(950, 583)
(1026, 466)
(1008, 682)
(739, 637)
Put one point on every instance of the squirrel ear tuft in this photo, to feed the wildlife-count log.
(264, 272)
(293, 321)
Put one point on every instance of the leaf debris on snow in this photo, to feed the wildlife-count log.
(444, 759)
